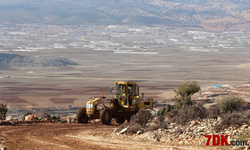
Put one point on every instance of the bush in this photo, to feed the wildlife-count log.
(141, 118)
(159, 123)
(230, 103)
(63, 121)
(167, 109)
(159, 120)
(184, 93)
(231, 120)
(3, 111)
(247, 114)
(56, 118)
(215, 112)
(187, 114)
(153, 127)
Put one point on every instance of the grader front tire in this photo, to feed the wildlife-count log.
(81, 115)
(105, 116)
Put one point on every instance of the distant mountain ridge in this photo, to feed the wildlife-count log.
(146, 12)
(15, 60)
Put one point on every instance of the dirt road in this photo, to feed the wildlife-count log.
(70, 137)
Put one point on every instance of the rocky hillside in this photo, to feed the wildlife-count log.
(15, 60)
(184, 129)
(169, 12)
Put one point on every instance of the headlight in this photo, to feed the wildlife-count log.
(89, 105)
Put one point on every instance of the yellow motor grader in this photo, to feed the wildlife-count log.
(124, 105)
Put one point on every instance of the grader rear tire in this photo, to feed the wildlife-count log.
(81, 116)
(119, 120)
(105, 116)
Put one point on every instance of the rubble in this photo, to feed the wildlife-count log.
(191, 134)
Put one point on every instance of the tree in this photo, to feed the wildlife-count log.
(3, 111)
(231, 102)
(184, 93)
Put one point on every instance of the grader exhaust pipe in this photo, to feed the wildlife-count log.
(102, 92)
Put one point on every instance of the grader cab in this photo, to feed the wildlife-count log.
(123, 106)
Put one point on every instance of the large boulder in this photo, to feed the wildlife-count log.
(30, 118)
(9, 118)
(71, 119)
(124, 130)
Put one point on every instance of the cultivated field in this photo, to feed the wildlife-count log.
(156, 74)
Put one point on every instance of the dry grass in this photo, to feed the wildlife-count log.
(122, 126)
(215, 112)
(236, 119)
(187, 114)
(141, 118)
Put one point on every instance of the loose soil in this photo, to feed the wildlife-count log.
(71, 137)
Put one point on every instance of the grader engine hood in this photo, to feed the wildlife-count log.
(91, 106)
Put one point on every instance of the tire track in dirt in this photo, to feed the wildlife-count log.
(46, 136)
(73, 137)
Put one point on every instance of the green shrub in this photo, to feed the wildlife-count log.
(3, 111)
(230, 103)
(56, 118)
(184, 93)
(166, 109)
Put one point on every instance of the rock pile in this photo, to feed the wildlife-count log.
(191, 134)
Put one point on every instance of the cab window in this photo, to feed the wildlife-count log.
(118, 87)
(135, 90)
